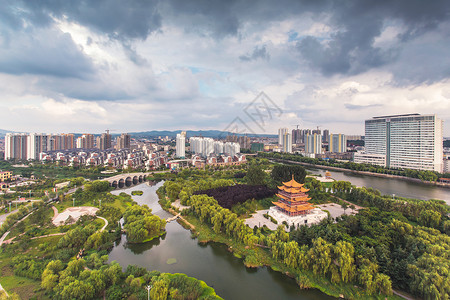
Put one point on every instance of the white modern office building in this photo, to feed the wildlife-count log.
(410, 141)
(181, 144)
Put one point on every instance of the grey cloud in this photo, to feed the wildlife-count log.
(258, 52)
(45, 52)
(118, 19)
(351, 49)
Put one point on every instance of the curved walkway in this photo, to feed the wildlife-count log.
(106, 223)
(55, 212)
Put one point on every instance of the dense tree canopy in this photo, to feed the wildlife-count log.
(228, 196)
(283, 173)
(141, 225)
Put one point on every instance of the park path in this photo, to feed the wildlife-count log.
(55, 212)
(3, 238)
(47, 235)
(106, 223)
(2, 289)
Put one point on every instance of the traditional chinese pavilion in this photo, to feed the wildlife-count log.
(293, 200)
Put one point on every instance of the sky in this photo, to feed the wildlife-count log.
(255, 66)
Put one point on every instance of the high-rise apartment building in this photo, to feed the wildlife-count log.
(281, 133)
(219, 147)
(104, 141)
(305, 132)
(410, 141)
(297, 136)
(16, 146)
(123, 141)
(86, 141)
(37, 143)
(231, 148)
(313, 143)
(326, 136)
(181, 144)
(286, 143)
(338, 143)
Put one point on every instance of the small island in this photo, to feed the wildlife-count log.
(141, 225)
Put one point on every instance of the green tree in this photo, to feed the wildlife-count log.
(283, 173)
(160, 288)
(255, 175)
(320, 256)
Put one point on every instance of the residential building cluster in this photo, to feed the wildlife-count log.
(124, 158)
(22, 146)
(213, 159)
(311, 143)
(206, 146)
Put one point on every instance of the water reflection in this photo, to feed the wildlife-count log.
(141, 248)
(389, 186)
(211, 262)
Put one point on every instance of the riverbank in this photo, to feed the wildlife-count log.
(414, 180)
(256, 256)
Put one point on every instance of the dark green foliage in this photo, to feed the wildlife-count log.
(25, 266)
(230, 195)
(283, 173)
(135, 270)
(97, 186)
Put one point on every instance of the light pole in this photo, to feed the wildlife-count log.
(100, 201)
(149, 287)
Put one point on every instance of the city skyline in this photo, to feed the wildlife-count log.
(84, 67)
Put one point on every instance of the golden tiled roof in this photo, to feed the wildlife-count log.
(293, 190)
(293, 183)
(295, 199)
(295, 208)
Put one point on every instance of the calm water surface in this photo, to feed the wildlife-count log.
(390, 186)
(211, 263)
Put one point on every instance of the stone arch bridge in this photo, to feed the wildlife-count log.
(129, 179)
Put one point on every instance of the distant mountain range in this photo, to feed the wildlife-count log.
(190, 133)
(4, 132)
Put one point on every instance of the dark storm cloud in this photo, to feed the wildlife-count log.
(351, 50)
(258, 52)
(52, 54)
(118, 19)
